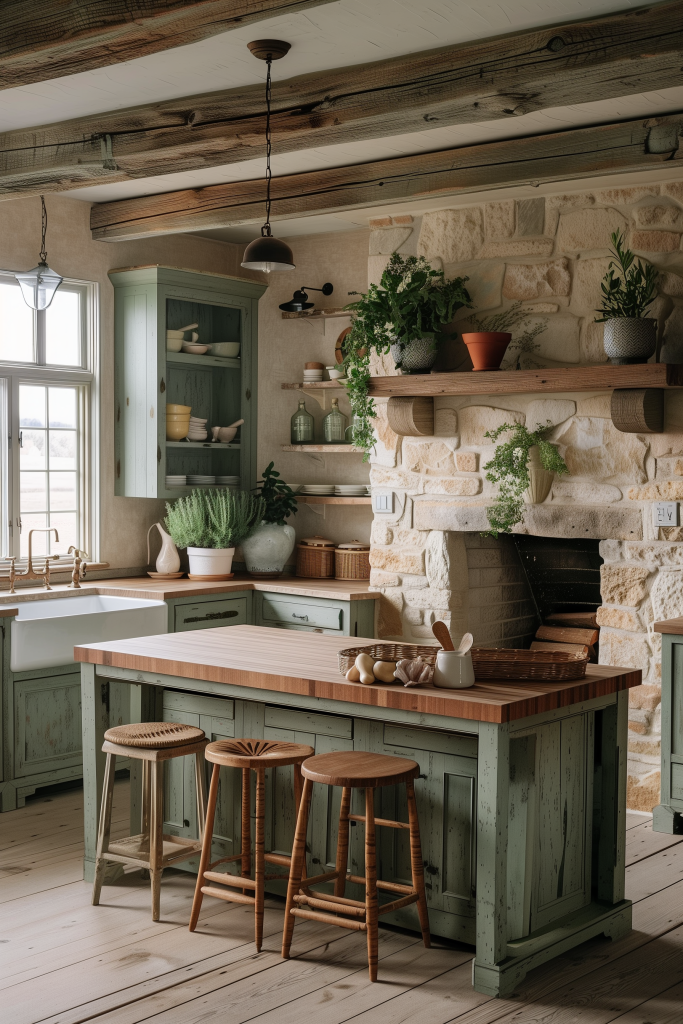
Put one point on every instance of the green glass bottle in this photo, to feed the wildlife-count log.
(334, 425)
(350, 433)
(303, 425)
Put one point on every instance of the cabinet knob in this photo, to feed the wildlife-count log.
(304, 618)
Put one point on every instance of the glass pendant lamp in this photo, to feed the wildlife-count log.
(39, 285)
(268, 253)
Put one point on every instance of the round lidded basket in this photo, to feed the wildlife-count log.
(315, 558)
(387, 652)
(352, 561)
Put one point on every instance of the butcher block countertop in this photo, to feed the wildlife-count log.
(164, 590)
(6, 613)
(306, 664)
(671, 626)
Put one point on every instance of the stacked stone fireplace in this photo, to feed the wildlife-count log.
(429, 559)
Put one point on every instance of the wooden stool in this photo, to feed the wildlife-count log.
(249, 755)
(355, 770)
(152, 743)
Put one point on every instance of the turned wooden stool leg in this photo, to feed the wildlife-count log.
(342, 862)
(371, 903)
(416, 864)
(156, 839)
(205, 858)
(200, 784)
(259, 851)
(246, 826)
(296, 869)
(104, 827)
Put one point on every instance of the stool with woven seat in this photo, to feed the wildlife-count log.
(355, 769)
(248, 755)
(153, 743)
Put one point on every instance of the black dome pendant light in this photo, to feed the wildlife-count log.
(267, 253)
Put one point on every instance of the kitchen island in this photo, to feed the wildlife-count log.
(521, 796)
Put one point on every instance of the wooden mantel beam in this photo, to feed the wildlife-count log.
(621, 147)
(631, 52)
(65, 37)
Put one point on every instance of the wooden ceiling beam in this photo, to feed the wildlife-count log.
(581, 152)
(65, 37)
(632, 52)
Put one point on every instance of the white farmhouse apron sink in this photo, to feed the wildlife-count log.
(45, 632)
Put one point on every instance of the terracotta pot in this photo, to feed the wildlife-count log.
(487, 348)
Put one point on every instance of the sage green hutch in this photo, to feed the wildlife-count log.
(148, 302)
(668, 815)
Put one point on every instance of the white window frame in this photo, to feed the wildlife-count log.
(86, 378)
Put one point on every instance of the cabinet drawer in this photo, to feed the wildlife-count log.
(280, 611)
(425, 739)
(209, 614)
(308, 721)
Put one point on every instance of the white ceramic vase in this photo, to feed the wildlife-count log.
(453, 671)
(267, 550)
(168, 559)
(210, 561)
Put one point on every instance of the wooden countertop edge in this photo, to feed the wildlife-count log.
(424, 700)
(6, 613)
(671, 626)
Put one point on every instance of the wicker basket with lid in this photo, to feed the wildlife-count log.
(315, 558)
(352, 561)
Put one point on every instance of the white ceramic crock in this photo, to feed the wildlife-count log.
(210, 561)
(453, 671)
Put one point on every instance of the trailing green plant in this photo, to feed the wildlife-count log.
(507, 320)
(279, 498)
(213, 518)
(509, 468)
(630, 294)
(412, 300)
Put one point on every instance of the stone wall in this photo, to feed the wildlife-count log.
(428, 558)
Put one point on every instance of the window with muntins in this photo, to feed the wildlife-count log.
(47, 385)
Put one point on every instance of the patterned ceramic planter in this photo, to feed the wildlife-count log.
(630, 340)
(418, 356)
(267, 550)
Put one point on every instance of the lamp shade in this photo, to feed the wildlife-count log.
(298, 303)
(38, 286)
(267, 253)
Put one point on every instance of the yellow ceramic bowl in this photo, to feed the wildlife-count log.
(176, 431)
(178, 409)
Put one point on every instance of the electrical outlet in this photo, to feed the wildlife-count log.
(665, 513)
(383, 501)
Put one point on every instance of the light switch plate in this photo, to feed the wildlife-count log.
(383, 501)
(665, 513)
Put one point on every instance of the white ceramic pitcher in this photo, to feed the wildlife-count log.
(168, 559)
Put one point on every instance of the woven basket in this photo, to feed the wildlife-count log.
(314, 562)
(548, 666)
(387, 652)
(351, 565)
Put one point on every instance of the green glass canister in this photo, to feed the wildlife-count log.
(302, 425)
(334, 425)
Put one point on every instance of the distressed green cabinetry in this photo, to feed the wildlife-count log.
(148, 301)
(668, 815)
(314, 615)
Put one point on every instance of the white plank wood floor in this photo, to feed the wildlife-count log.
(63, 961)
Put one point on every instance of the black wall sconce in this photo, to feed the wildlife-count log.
(299, 300)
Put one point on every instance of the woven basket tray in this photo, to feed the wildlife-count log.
(548, 666)
(387, 652)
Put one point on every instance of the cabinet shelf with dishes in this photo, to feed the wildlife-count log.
(322, 449)
(148, 302)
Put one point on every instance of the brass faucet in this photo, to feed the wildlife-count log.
(30, 573)
(77, 575)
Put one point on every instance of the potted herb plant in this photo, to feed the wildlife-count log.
(210, 524)
(401, 315)
(630, 336)
(523, 467)
(488, 345)
(267, 549)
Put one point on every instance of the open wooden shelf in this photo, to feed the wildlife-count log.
(320, 448)
(332, 499)
(318, 385)
(317, 314)
(202, 444)
(603, 377)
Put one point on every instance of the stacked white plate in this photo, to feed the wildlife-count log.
(350, 490)
(197, 431)
(176, 480)
(319, 489)
(228, 481)
(201, 479)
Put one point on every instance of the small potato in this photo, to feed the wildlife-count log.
(353, 675)
(364, 664)
(367, 678)
(384, 671)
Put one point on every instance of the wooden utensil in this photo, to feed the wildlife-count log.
(440, 631)
(465, 643)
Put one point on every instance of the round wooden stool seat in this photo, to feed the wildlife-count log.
(359, 769)
(245, 753)
(154, 735)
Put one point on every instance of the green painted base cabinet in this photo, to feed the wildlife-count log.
(668, 815)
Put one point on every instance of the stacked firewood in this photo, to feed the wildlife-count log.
(569, 631)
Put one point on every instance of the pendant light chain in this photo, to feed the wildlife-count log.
(266, 227)
(43, 251)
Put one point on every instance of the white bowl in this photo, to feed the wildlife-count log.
(335, 374)
(196, 350)
(226, 349)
